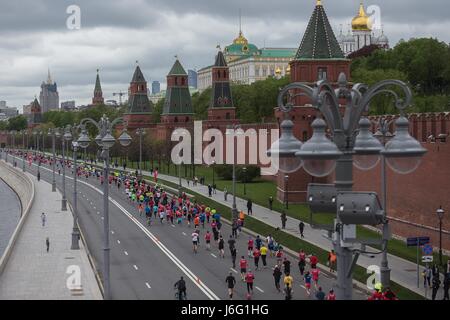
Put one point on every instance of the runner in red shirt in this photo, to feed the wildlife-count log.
(313, 261)
(331, 295)
(250, 246)
(208, 240)
(243, 266)
(315, 276)
(249, 278)
(256, 255)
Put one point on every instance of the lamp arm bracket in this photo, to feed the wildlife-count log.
(306, 91)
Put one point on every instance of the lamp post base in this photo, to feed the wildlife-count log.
(75, 239)
(64, 205)
(234, 214)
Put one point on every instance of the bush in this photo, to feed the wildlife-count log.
(225, 171)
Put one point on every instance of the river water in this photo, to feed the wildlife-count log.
(10, 209)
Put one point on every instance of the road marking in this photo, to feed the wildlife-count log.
(112, 232)
(118, 241)
(173, 226)
(148, 286)
(259, 289)
(98, 212)
(213, 255)
(303, 286)
(126, 253)
(103, 218)
(95, 208)
(184, 233)
(206, 290)
(135, 266)
(233, 270)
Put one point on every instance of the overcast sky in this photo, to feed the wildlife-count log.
(116, 33)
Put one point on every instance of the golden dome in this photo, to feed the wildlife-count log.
(241, 39)
(278, 70)
(362, 21)
(288, 69)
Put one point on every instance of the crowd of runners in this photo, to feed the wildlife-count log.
(157, 206)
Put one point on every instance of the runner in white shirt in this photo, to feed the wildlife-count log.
(195, 241)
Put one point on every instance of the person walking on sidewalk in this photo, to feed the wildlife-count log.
(43, 219)
(301, 227)
(210, 189)
(446, 286)
(47, 243)
(249, 207)
(270, 203)
(436, 285)
(283, 220)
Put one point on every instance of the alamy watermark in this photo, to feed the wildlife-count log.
(73, 282)
(374, 278)
(73, 22)
(237, 146)
(374, 13)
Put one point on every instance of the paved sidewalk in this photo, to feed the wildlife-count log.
(33, 274)
(402, 271)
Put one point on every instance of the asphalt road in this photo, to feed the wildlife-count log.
(147, 261)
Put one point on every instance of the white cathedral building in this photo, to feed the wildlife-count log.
(361, 35)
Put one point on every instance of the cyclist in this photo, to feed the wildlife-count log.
(243, 266)
(288, 281)
(181, 286)
(195, 241)
(231, 281)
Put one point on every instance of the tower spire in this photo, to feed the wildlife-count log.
(240, 21)
(49, 78)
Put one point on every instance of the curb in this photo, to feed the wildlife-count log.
(24, 215)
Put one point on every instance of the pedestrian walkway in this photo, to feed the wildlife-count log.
(32, 273)
(403, 272)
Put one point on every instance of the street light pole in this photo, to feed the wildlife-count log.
(245, 180)
(234, 211)
(106, 141)
(440, 213)
(75, 230)
(140, 132)
(53, 132)
(65, 138)
(286, 192)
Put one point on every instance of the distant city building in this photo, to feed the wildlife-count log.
(361, 35)
(68, 105)
(49, 97)
(156, 87)
(155, 98)
(35, 115)
(111, 103)
(248, 64)
(7, 112)
(192, 78)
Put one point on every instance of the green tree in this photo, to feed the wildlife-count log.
(17, 123)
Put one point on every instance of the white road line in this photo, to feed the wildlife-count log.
(103, 218)
(98, 212)
(112, 232)
(184, 233)
(148, 286)
(303, 286)
(196, 280)
(259, 289)
(233, 270)
(173, 226)
(213, 255)
(135, 266)
(118, 241)
(126, 253)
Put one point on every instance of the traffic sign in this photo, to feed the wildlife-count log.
(427, 258)
(417, 241)
(427, 250)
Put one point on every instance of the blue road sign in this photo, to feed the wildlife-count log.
(417, 241)
(427, 250)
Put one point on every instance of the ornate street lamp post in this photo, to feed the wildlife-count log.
(66, 137)
(320, 156)
(54, 133)
(105, 140)
(234, 131)
(244, 169)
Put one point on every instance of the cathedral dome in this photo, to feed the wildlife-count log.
(361, 22)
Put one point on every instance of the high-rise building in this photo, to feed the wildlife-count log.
(192, 78)
(49, 97)
(7, 112)
(156, 87)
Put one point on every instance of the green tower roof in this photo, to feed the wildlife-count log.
(138, 76)
(177, 69)
(98, 87)
(319, 41)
